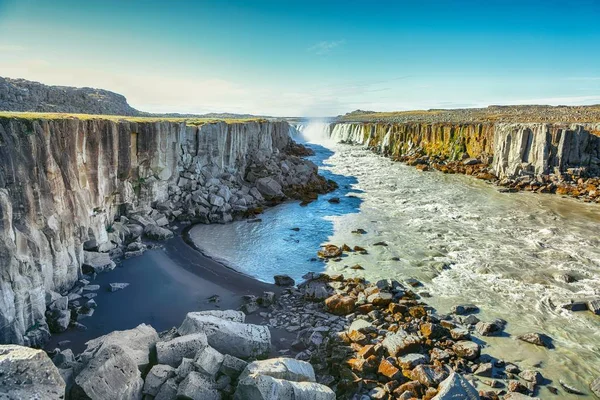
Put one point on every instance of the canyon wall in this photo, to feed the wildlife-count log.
(64, 183)
(511, 150)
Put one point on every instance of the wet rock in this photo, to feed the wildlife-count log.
(456, 387)
(157, 376)
(284, 280)
(198, 387)
(539, 339)
(113, 287)
(466, 349)
(570, 389)
(595, 386)
(516, 386)
(531, 376)
(155, 232)
(594, 306)
(463, 309)
(235, 338)
(340, 305)
(334, 200)
(110, 374)
(484, 369)
(329, 251)
(488, 328)
(173, 351)
(28, 373)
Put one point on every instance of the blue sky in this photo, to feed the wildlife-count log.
(309, 57)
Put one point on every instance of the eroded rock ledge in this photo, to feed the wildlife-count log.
(77, 192)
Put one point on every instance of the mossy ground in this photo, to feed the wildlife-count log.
(116, 118)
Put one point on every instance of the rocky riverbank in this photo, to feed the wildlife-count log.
(349, 339)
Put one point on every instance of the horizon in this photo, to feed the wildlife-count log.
(306, 59)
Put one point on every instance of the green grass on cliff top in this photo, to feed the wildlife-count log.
(116, 118)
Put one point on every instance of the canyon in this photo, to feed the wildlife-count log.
(78, 193)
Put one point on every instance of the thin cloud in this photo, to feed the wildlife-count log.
(584, 78)
(325, 46)
(11, 48)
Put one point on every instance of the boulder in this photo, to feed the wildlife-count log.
(340, 305)
(28, 373)
(264, 387)
(428, 375)
(530, 375)
(466, 349)
(456, 387)
(232, 366)
(400, 343)
(138, 343)
(58, 320)
(110, 374)
(284, 280)
(173, 351)
(463, 309)
(282, 368)
(230, 315)
(168, 390)
(198, 387)
(539, 339)
(94, 262)
(269, 188)
(208, 361)
(234, 338)
(155, 232)
(157, 376)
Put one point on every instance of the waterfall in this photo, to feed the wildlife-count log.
(322, 132)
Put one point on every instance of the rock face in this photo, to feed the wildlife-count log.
(28, 374)
(63, 182)
(517, 148)
(541, 149)
(24, 95)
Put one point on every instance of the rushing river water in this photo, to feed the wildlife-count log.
(462, 238)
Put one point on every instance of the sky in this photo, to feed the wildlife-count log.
(309, 58)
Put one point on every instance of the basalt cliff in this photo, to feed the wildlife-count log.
(559, 158)
(74, 193)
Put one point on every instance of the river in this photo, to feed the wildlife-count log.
(462, 238)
